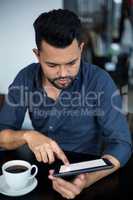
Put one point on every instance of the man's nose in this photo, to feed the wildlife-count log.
(63, 71)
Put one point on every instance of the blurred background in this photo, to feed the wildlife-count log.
(108, 36)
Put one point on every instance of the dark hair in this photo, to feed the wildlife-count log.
(57, 27)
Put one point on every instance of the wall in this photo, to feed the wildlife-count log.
(17, 35)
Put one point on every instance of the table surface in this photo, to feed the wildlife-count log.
(116, 186)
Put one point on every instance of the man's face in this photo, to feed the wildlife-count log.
(60, 66)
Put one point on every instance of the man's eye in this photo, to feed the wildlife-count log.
(52, 66)
(72, 63)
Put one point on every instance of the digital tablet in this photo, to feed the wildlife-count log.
(82, 167)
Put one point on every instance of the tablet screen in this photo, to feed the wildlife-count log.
(82, 165)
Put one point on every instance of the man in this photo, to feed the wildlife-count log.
(72, 105)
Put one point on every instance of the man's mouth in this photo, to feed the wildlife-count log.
(63, 81)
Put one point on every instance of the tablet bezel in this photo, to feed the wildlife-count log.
(108, 165)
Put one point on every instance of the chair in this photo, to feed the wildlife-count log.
(27, 122)
(1, 100)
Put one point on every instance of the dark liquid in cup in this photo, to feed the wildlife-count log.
(16, 169)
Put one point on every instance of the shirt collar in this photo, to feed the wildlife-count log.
(38, 77)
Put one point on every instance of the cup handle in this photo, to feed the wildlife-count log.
(35, 173)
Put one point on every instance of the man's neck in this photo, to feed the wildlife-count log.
(51, 91)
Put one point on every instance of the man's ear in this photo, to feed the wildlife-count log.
(81, 46)
(36, 52)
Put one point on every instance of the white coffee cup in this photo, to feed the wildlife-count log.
(18, 180)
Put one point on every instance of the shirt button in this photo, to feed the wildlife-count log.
(51, 128)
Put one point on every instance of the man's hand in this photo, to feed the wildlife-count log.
(44, 148)
(69, 190)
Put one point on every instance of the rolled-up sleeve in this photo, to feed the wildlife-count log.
(117, 138)
(13, 111)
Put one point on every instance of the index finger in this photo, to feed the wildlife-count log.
(59, 153)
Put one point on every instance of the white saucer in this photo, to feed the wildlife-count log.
(6, 190)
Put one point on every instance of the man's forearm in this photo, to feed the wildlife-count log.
(10, 139)
(95, 176)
